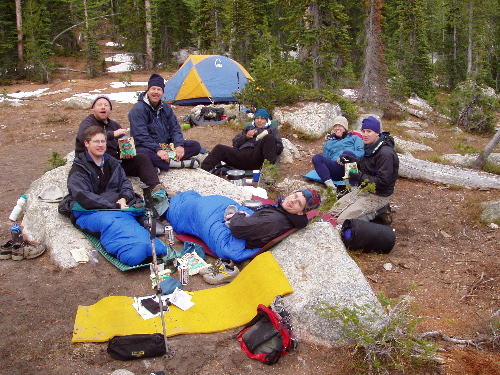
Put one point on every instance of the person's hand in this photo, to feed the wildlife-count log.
(179, 153)
(119, 132)
(122, 202)
(127, 156)
(251, 133)
(346, 158)
(163, 155)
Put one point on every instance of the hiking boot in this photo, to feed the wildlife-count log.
(6, 250)
(219, 264)
(31, 250)
(17, 252)
(224, 274)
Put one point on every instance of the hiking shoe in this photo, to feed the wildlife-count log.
(31, 250)
(221, 275)
(6, 250)
(219, 264)
(17, 252)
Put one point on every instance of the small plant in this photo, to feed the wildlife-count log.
(491, 168)
(465, 149)
(269, 174)
(390, 344)
(56, 160)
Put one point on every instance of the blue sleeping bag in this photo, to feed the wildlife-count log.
(203, 217)
(120, 234)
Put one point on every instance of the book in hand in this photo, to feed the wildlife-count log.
(170, 149)
(127, 146)
(350, 167)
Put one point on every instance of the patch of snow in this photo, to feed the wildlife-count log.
(120, 97)
(120, 57)
(112, 44)
(117, 85)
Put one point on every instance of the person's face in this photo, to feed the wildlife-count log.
(260, 122)
(101, 109)
(369, 136)
(295, 203)
(155, 94)
(338, 130)
(97, 145)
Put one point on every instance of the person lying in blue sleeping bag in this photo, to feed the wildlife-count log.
(240, 232)
(101, 200)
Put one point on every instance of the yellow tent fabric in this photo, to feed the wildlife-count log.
(216, 309)
(193, 87)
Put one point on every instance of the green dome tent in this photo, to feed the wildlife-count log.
(206, 79)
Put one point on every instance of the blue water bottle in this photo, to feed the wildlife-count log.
(17, 235)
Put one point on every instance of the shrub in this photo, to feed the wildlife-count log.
(55, 161)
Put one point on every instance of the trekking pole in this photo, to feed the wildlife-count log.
(169, 353)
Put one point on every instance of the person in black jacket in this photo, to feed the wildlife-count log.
(139, 165)
(256, 143)
(379, 165)
(271, 221)
(101, 201)
(153, 125)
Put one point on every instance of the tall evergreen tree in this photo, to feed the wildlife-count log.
(8, 55)
(209, 24)
(36, 32)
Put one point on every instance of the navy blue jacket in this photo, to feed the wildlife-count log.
(150, 126)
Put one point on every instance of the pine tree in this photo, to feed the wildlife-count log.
(37, 41)
(8, 55)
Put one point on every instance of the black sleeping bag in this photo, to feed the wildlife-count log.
(364, 235)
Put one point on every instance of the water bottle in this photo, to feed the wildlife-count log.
(19, 207)
(17, 235)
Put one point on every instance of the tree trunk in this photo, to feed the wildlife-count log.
(469, 48)
(149, 37)
(373, 88)
(314, 25)
(20, 44)
(483, 156)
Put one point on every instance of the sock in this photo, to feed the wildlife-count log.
(329, 182)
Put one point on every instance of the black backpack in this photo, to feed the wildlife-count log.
(268, 336)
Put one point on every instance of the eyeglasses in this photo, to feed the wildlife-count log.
(98, 142)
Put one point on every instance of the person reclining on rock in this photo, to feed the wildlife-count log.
(139, 165)
(247, 231)
(379, 165)
(101, 200)
(339, 141)
(256, 143)
(153, 125)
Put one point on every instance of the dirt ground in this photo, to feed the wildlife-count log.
(441, 248)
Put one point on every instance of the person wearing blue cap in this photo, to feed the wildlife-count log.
(379, 165)
(154, 126)
(256, 143)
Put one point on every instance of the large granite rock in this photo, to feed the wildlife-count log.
(319, 270)
(312, 118)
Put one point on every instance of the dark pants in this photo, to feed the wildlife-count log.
(247, 158)
(328, 169)
(141, 166)
(191, 148)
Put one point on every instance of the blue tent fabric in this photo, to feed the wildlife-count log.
(120, 234)
(203, 217)
(215, 80)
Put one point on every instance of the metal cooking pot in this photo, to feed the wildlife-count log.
(236, 176)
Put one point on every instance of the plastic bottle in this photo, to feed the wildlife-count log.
(17, 234)
(19, 207)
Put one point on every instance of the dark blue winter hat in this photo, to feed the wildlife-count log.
(371, 123)
(156, 80)
(262, 113)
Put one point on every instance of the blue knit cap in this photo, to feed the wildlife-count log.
(313, 199)
(156, 80)
(262, 113)
(371, 123)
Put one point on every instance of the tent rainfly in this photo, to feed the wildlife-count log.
(206, 79)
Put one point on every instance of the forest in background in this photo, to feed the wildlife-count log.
(294, 49)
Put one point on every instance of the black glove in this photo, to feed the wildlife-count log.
(345, 158)
(354, 178)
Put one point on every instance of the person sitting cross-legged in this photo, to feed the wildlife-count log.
(256, 143)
